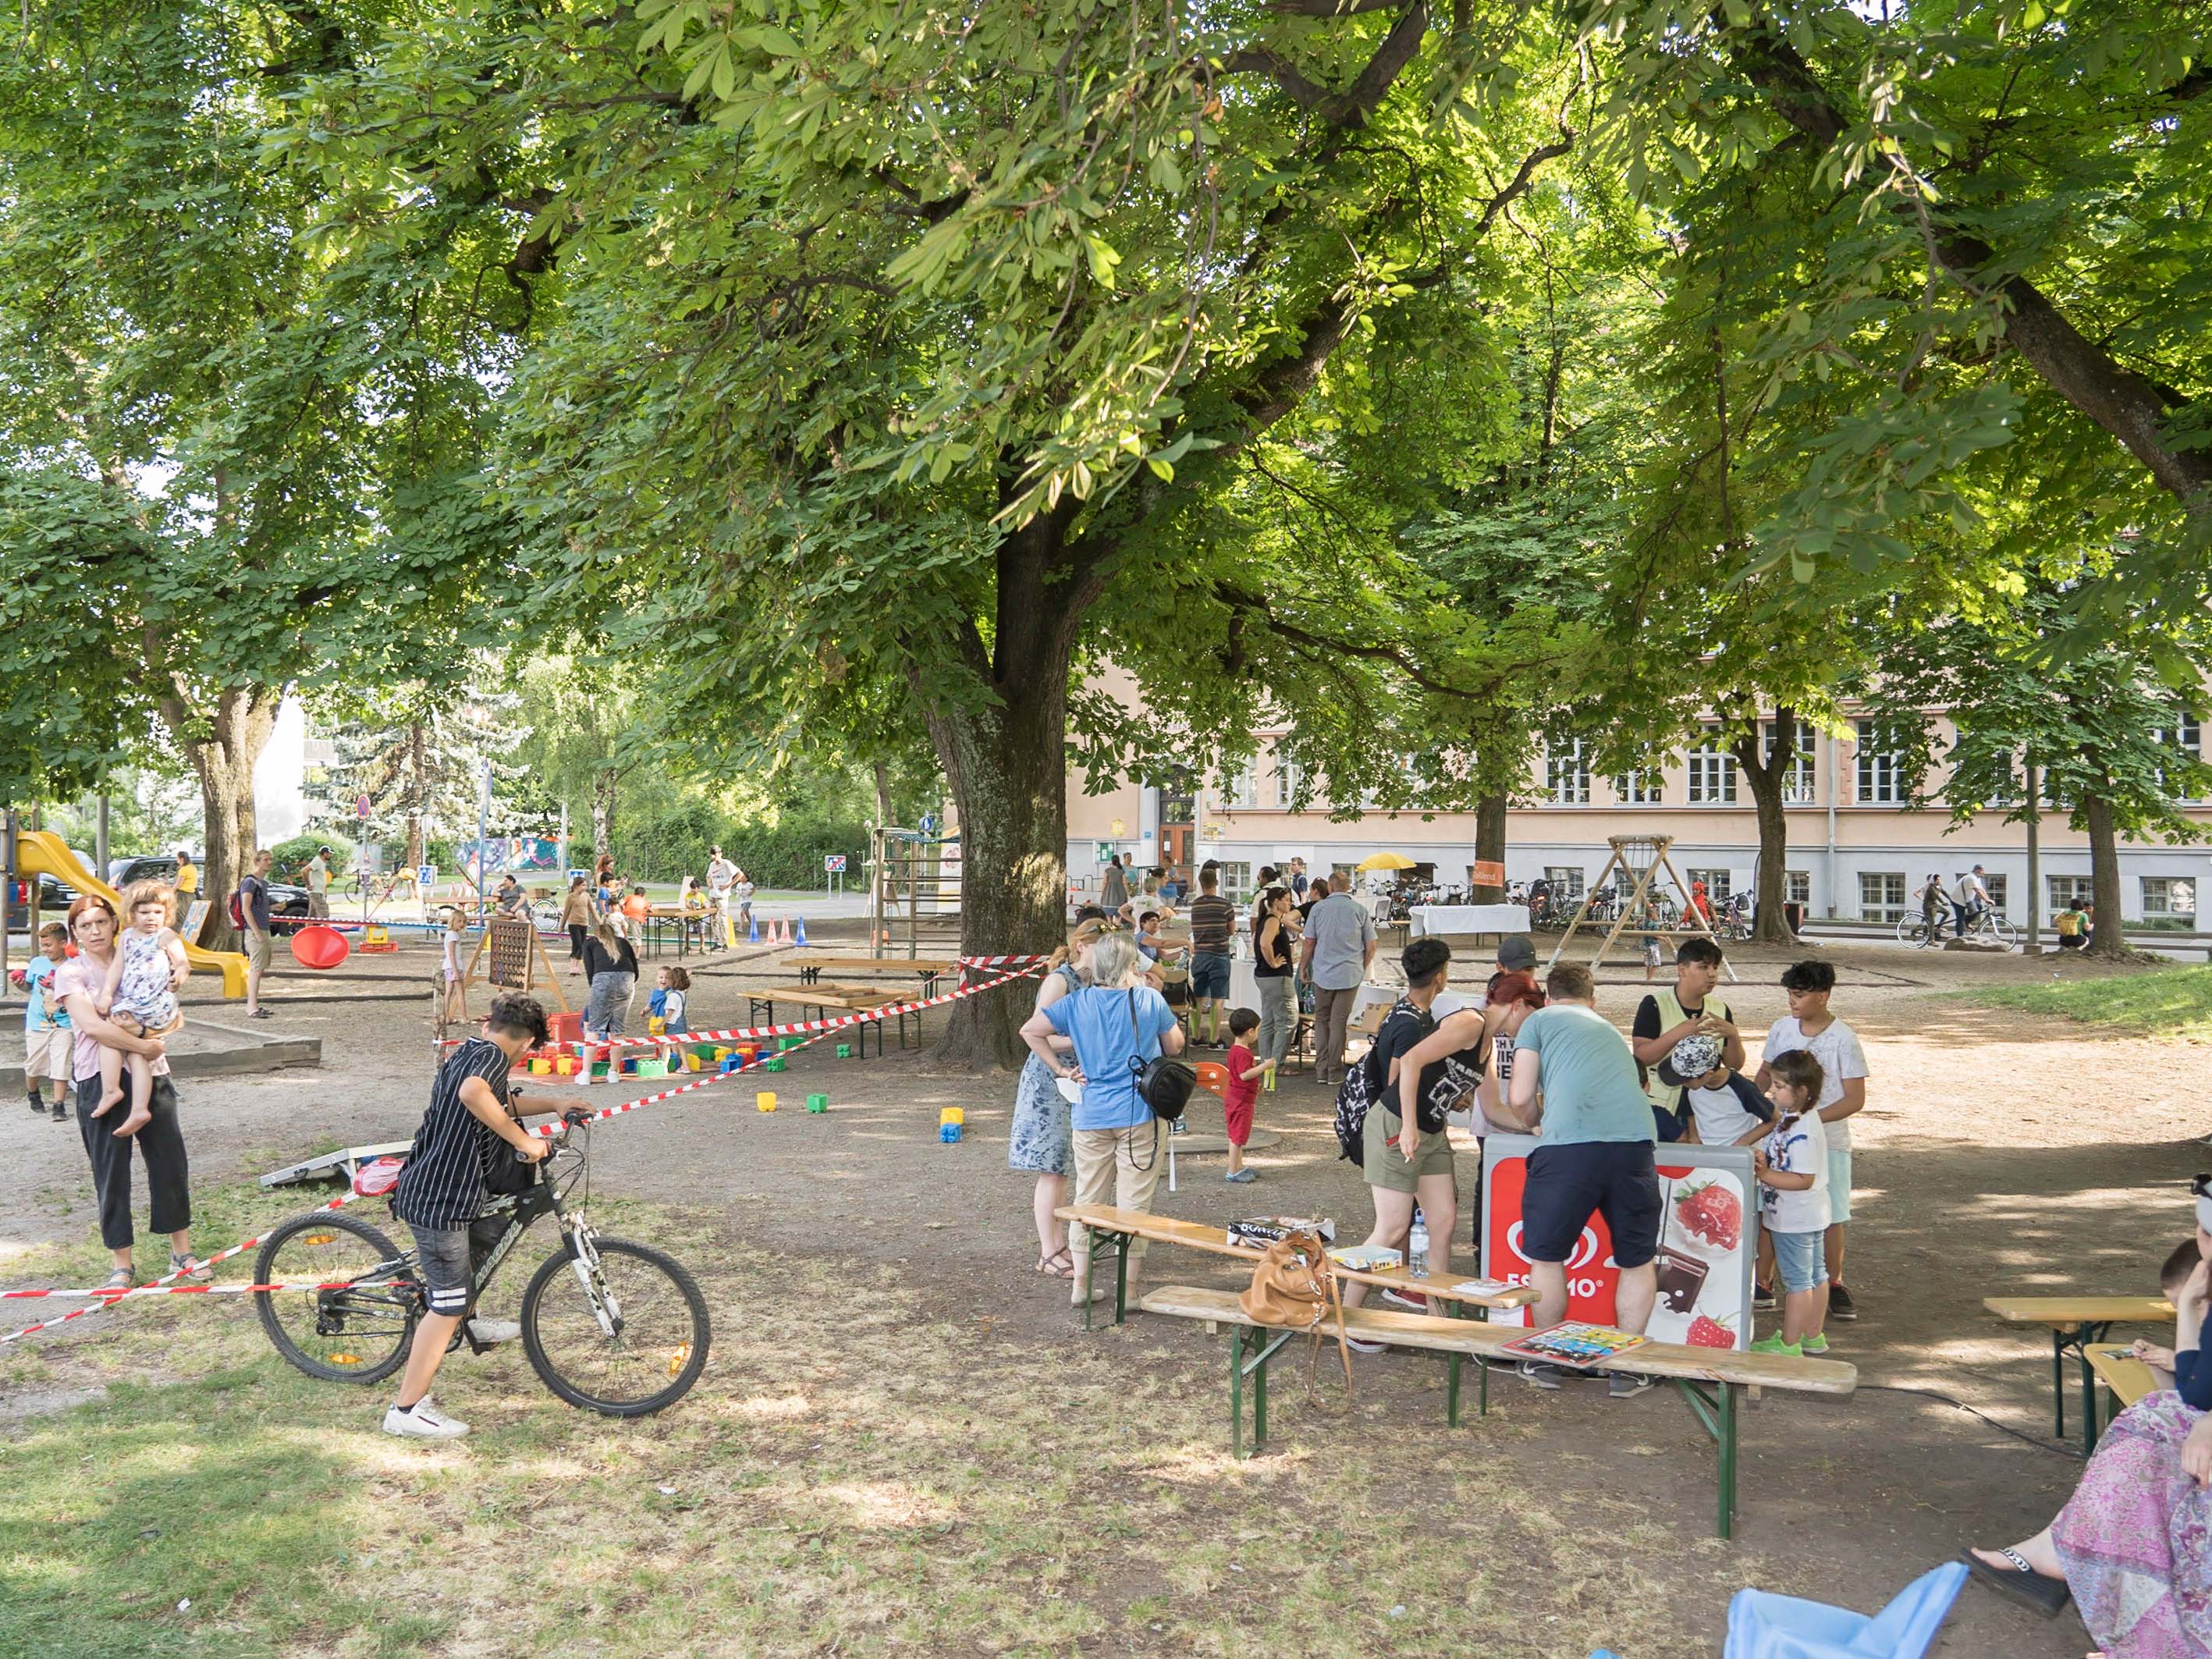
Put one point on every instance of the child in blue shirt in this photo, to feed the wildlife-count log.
(48, 1041)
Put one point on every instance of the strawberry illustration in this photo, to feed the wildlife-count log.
(1713, 1213)
(1706, 1333)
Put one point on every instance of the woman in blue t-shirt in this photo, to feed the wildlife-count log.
(1113, 1021)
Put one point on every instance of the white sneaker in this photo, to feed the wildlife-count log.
(425, 1422)
(491, 1332)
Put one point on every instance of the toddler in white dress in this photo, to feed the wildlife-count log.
(140, 997)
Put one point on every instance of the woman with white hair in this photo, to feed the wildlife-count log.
(1117, 1023)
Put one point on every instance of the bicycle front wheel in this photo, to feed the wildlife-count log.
(2002, 932)
(340, 1335)
(657, 1345)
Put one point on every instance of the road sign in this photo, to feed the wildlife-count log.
(361, 807)
(833, 863)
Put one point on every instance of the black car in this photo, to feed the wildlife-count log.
(287, 902)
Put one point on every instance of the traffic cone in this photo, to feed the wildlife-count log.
(777, 936)
(755, 936)
(799, 937)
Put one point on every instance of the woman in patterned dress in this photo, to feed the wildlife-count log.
(1042, 1143)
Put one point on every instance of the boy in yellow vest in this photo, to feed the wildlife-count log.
(1691, 1008)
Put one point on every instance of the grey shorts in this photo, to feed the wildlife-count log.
(448, 1258)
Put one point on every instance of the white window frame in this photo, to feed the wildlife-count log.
(2160, 890)
(1797, 887)
(1288, 778)
(2076, 892)
(1240, 790)
(1878, 772)
(1884, 908)
(1645, 786)
(2000, 890)
(1567, 773)
(2185, 733)
(1797, 783)
(1711, 771)
(1717, 885)
(1567, 881)
(1236, 879)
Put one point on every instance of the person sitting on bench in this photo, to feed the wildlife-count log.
(2133, 1546)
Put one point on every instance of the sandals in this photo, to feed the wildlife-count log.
(1067, 1270)
(2021, 1582)
(187, 1267)
(121, 1279)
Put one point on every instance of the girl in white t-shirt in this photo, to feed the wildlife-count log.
(1792, 1167)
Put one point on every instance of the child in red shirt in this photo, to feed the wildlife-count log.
(1246, 1068)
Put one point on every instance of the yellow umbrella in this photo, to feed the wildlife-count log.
(1385, 861)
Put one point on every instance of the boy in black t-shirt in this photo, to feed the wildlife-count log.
(441, 1191)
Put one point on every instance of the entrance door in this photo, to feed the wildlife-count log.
(1175, 849)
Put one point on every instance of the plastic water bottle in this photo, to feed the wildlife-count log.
(1416, 1248)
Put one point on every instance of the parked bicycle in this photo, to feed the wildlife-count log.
(612, 1326)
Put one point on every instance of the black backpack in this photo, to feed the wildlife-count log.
(1164, 1084)
(1362, 1086)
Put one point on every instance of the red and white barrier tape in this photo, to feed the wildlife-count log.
(166, 1279)
(811, 1027)
(109, 1298)
(221, 1290)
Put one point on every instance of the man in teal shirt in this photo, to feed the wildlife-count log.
(1595, 1122)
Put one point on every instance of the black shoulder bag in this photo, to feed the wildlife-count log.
(1164, 1084)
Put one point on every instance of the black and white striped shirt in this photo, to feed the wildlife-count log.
(443, 1184)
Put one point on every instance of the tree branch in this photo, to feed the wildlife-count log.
(1351, 107)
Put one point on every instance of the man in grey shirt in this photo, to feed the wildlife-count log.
(1338, 948)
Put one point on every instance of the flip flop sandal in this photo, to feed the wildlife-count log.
(2021, 1582)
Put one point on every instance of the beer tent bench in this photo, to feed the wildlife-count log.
(1707, 1377)
(2076, 1322)
(842, 999)
(928, 969)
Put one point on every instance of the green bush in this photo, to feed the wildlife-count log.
(674, 843)
(289, 855)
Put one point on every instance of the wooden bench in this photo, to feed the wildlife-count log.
(2075, 1323)
(1707, 1378)
(1114, 1230)
(845, 999)
(2126, 1378)
(929, 970)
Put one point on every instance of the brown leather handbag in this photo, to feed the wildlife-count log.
(1294, 1288)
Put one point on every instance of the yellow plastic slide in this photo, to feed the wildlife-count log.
(41, 852)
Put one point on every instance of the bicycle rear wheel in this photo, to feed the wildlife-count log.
(657, 1347)
(341, 1335)
(1912, 930)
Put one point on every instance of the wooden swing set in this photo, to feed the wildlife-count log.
(1641, 857)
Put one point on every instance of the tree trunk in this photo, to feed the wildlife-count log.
(1489, 845)
(1005, 760)
(603, 812)
(413, 856)
(2106, 937)
(1766, 774)
(883, 795)
(222, 746)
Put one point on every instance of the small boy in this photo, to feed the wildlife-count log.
(1792, 1168)
(47, 1038)
(1246, 1070)
(634, 909)
(2171, 1279)
(1725, 1111)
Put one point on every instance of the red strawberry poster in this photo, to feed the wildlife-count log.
(1708, 1241)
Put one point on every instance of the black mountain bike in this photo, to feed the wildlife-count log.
(614, 1326)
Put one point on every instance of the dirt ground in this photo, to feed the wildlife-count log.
(1997, 1153)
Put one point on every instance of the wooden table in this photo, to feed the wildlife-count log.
(930, 970)
(1119, 1227)
(2075, 1323)
(685, 921)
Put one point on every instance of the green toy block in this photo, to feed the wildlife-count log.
(818, 1102)
(652, 1068)
(844, 1051)
(776, 1064)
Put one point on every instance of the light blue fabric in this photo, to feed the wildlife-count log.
(42, 1010)
(1340, 930)
(1097, 1021)
(1588, 1077)
(1763, 1625)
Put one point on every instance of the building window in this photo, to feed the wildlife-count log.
(1236, 879)
(1566, 881)
(1997, 891)
(1797, 888)
(1567, 771)
(2169, 899)
(1240, 791)
(1881, 778)
(2070, 893)
(1881, 895)
(2180, 731)
(1639, 788)
(1350, 876)
(1717, 885)
(1797, 782)
(1712, 773)
(1290, 778)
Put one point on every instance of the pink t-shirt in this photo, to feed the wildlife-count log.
(81, 977)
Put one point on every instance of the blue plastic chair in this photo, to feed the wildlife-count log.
(1762, 1626)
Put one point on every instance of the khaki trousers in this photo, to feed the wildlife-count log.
(1121, 1167)
(1332, 1014)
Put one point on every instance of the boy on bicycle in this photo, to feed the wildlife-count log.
(441, 1192)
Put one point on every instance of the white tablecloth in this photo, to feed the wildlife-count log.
(1469, 919)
